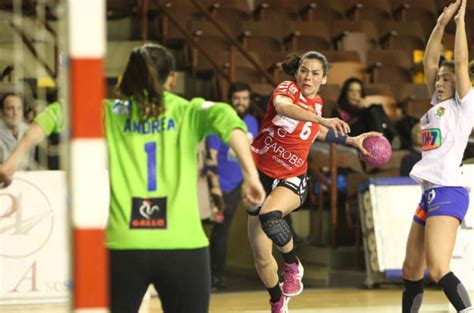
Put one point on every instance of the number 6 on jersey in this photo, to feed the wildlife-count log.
(306, 131)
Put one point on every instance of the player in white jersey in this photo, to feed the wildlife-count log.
(445, 130)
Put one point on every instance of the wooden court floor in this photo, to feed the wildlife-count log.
(311, 300)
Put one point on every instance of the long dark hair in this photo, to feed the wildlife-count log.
(342, 102)
(293, 62)
(147, 69)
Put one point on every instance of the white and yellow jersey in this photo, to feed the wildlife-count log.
(445, 131)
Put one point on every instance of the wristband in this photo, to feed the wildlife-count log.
(331, 137)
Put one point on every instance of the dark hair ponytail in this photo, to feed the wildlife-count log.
(147, 69)
(292, 62)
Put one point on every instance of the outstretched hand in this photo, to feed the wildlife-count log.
(253, 192)
(461, 12)
(448, 12)
(5, 178)
(358, 140)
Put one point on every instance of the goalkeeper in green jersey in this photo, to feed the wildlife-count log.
(154, 231)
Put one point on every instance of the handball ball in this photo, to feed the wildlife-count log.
(380, 150)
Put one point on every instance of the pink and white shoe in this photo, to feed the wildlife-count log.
(292, 276)
(281, 306)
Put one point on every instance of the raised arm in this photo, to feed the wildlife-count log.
(433, 47)
(32, 137)
(284, 106)
(461, 54)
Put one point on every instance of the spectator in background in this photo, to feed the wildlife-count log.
(351, 105)
(227, 184)
(361, 116)
(414, 155)
(12, 128)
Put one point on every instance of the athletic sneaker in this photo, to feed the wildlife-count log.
(281, 306)
(292, 285)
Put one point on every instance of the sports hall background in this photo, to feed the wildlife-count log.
(216, 42)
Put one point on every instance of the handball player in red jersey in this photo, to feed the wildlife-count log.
(291, 124)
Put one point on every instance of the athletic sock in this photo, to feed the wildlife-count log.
(412, 295)
(275, 293)
(455, 291)
(290, 257)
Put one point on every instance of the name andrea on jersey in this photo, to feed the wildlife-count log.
(150, 126)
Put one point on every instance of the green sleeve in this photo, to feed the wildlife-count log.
(215, 118)
(51, 119)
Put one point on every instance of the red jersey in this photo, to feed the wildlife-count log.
(282, 144)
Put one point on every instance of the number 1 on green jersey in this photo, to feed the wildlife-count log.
(150, 149)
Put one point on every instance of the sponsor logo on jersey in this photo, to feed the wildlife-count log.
(150, 126)
(148, 213)
(281, 132)
(440, 112)
(431, 139)
(120, 107)
(281, 155)
(288, 124)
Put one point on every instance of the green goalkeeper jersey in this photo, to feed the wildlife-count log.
(153, 171)
(51, 119)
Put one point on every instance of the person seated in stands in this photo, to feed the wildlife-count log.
(12, 128)
(351, 105)
(362, 116)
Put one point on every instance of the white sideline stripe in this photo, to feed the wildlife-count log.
(87, 28)
(89, 183)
